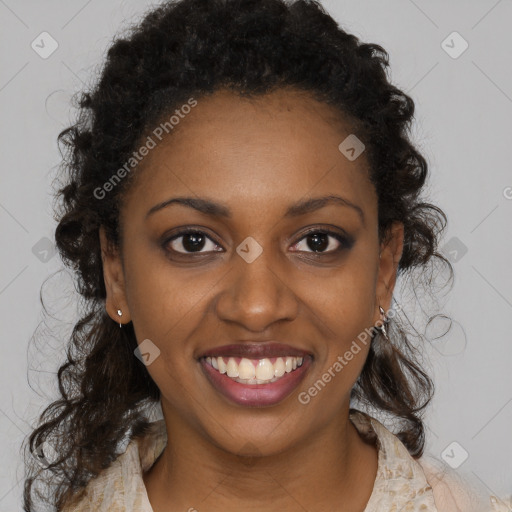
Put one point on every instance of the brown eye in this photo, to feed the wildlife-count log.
(188, 242)
(322, 242)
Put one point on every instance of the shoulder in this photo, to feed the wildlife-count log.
(426, 483)
(103, 491)
(457, 492)
(119, 487)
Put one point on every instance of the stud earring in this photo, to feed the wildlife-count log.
(120, 313)
(385, 320)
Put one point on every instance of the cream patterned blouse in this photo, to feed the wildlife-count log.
(403, 484)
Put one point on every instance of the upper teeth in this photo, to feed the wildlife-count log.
(255, 371)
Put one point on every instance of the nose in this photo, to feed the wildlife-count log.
(257, 294)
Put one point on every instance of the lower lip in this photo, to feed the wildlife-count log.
(256, 395)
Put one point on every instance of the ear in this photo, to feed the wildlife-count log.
(114, 281)
(390, 254)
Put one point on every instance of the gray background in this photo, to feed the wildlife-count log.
(464, 107)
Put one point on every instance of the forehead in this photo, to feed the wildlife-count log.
(270, 149)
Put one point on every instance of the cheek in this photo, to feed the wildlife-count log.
(345, 308)
(168, 305)
(161, 295)
(165, 307)
(346, 299)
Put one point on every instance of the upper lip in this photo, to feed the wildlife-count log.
(251, 350)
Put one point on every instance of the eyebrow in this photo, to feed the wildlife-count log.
(214, 209)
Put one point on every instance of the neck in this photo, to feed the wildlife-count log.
(335, 466)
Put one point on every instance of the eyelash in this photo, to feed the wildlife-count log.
(345, 242)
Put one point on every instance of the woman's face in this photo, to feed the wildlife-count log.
(251, 282)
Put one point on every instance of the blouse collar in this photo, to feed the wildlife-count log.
(399, 476)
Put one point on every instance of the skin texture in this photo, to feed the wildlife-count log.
(257, 157)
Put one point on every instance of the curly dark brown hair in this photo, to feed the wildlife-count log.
(193, 48)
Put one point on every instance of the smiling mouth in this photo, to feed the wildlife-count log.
(254, 371)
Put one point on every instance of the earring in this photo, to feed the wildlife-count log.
(120, 313)
(385, 320)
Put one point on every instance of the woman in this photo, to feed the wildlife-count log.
(241, 197)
